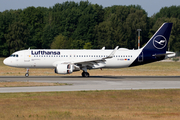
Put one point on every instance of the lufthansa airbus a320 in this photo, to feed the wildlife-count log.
(68, 61)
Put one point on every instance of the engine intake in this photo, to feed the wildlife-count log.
(64, 69)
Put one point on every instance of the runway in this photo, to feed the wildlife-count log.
(93, 83)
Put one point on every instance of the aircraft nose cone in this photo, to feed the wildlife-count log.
(9, 62)
(5, 61)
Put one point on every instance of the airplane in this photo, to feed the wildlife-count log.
(67, 61)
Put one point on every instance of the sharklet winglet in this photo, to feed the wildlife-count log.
(112, 53)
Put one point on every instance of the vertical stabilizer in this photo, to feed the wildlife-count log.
(155, 49)
(159, 41)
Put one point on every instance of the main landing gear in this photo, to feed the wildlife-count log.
(85, 74)
(27, 73)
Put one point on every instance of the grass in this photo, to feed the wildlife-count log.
(92, 105)
(152, 69)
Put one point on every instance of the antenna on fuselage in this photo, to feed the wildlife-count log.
(29, 48)
(103, 48)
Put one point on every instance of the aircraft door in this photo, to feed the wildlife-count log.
(27, 56)
(140, 58)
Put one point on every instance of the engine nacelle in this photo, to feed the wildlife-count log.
(64, 69)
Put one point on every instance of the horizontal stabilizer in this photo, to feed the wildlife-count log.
(167, 54)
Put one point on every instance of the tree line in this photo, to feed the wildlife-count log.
(83, 25)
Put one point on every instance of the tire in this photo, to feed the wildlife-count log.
(83, 74)
(86, 74)
(26, 75)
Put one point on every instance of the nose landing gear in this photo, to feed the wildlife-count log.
(27, 73)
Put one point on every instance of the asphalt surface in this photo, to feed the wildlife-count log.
(93, 83)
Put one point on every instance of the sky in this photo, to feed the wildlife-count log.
(150, 6)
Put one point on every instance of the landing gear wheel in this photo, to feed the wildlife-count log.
(85, 74)
(27, 75)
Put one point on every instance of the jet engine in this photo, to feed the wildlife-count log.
(64, 69)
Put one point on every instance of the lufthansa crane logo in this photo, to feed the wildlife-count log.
(159, 42)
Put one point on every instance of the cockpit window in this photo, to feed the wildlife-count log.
(14, 55)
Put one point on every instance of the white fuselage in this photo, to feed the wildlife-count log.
(39, 59)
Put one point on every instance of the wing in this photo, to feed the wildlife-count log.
(94, 63)
(90, 63)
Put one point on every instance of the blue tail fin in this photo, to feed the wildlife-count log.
(159, 41)
(156, 47)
